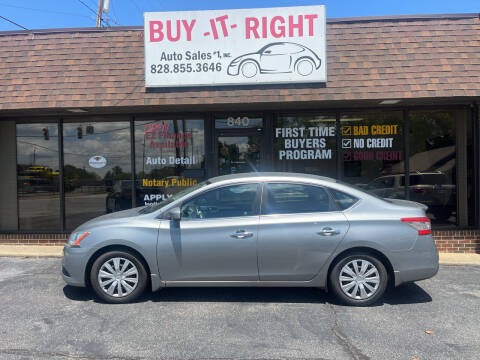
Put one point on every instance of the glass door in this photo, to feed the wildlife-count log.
(238, 144)
(238, 154)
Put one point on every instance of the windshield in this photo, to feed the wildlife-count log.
(150, 209)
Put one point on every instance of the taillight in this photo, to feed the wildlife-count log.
(422, 224)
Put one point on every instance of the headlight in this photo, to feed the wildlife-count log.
(235, 61)
(76, 237)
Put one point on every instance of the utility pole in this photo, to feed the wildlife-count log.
(99, 13)
(103, 6)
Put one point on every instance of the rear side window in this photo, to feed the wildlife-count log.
(343, 201)
(283, 198)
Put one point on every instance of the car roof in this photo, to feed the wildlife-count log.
(278, 175)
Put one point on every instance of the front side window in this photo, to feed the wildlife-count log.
(283, 198)
(228, 201)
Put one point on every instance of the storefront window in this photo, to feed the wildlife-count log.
(433, 163)
(38, 176)
(97, 169)
(372, 152)
(305, 144)
(170, 156)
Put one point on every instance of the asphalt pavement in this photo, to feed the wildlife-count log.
(42, 318)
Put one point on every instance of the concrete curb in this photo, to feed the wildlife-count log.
(31, 251)
(459, 259)
(57, 251)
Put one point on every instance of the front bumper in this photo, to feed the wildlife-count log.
(233, 69)
(73, 265)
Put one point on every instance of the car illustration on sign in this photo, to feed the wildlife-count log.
(274, 58)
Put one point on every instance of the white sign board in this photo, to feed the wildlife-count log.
(97, 162)
(235, 47)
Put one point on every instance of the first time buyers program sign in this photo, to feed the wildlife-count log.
(235, 47)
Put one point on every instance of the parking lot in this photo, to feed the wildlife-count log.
(42, 318)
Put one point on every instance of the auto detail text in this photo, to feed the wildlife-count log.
(191, 48)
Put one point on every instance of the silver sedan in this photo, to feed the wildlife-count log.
(263, 229)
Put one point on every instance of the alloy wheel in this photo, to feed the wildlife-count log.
(359, 279)
(118, 277)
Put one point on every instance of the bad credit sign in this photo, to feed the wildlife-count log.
(235, 47)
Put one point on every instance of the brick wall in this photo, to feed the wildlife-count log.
(457, 241)
(33, 239)
(450, 241)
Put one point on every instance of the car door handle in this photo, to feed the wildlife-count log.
(241, 234)
(328, 231)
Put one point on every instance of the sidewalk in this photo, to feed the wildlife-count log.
(56, 251)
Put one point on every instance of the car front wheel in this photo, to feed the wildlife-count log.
(358, 279)
(118, 277)
(249, 69)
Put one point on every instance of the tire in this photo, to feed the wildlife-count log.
(304, 66)
(249, 69)
(132, 285)
(375, 271)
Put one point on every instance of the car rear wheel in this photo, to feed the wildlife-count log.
(304, 67)
(249, 69)
(358, 279)
(118, 277)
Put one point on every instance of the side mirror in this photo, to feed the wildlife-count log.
(174, 214)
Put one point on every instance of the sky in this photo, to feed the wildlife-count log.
(42, 14)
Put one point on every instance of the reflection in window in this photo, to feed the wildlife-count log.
(97, 170)
(170, 157)
(238, 154)
(293, 198)
(432, 163)
(372, 152)
(343, 201)
(305, 144)
(37, 176)
(229, 201)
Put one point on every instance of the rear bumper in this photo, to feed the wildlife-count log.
(418, 263)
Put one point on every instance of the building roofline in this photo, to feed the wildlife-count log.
(389, 18)
(392, 18)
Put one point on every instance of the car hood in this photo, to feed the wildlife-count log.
(407, 203)
(116, 217)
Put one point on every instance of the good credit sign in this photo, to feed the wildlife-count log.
(235, 47)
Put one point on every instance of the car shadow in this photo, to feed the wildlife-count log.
(405, 294)
(409, 293)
